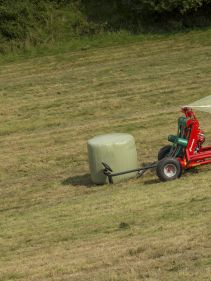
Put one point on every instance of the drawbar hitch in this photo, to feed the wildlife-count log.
(109, 172)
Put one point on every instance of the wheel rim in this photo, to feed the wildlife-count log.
(170, 170)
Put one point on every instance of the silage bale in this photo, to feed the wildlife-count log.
(117, 150)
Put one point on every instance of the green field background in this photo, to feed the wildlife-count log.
(54, 223)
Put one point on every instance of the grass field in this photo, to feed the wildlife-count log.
(54, 223)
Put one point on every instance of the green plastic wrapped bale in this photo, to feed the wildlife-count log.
(116, 150)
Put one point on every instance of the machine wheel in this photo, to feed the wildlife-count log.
(168, 168)
(164, 151)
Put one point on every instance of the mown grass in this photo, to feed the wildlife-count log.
(54, 223)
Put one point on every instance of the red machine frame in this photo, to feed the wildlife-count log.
(186, 152)
(195, 154)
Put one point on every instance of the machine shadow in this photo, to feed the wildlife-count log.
(186, 173)
(80, 180)
(153, 181)
(193, 170)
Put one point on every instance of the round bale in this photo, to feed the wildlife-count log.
(117, 150)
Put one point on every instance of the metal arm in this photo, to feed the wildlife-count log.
(109, 172)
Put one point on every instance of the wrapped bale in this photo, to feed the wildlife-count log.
(117, 150)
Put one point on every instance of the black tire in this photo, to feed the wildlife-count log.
(169, 168)
(164, 152)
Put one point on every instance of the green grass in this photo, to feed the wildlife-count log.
(100, 40)
(54, 223)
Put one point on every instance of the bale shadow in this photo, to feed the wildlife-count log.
(80, 180)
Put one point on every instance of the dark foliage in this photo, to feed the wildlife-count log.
(139, 15)
(31, 22)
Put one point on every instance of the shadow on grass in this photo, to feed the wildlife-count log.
(81, 180)
(191, 171)
(188, 172)
(153, 181)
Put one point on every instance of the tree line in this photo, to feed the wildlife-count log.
(39, 21)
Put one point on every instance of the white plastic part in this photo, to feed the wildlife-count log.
(203, 104)
(117, 150)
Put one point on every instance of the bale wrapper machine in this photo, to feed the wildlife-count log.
(185, 151)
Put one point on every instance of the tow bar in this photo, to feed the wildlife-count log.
(141, 171)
